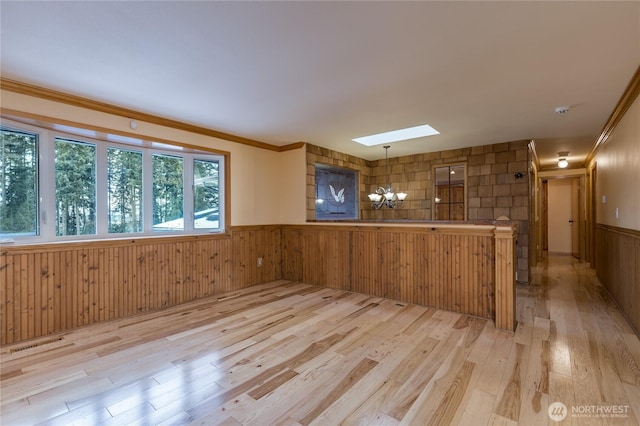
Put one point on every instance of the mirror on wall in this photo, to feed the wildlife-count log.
(449, 201)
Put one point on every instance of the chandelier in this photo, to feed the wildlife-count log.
(385, 196)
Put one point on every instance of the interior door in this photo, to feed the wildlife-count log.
(560, 222)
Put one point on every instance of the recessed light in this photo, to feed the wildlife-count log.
(398, 135)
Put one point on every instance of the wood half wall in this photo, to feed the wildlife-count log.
(618, 268)
(446, 267)
(51, 288)
(47, 289)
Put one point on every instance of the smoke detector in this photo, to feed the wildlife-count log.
(562, 110)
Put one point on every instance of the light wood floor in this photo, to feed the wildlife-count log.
(288, 353)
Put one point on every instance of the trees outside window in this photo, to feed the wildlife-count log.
(168, 194)
(206, 194)
(75, 187)
(55, 186)
(124, 190)
(19, 183)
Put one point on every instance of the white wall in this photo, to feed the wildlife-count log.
(267, 187)
(618, 173)
(292, 167)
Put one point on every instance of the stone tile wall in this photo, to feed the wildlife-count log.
(492, 187)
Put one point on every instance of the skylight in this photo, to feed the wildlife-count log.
(398, 135)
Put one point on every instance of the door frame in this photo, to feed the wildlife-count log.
(581, 218)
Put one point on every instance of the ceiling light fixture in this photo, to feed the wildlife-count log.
(397, 135)
(385, 196)
(562, 159)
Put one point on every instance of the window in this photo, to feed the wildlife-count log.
(449, 199)
(75, 184)
(19, 191)
(206, 193)
(61, 187)
(168, 195)
(124, 195)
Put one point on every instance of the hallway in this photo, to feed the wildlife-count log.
(291, 353)
(593, 354)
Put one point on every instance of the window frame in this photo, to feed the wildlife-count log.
(465, 185)
(46, 208)
(37, 223)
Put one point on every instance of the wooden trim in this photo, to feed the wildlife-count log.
(49, 123)
(435, 228)
(534, 153)
(555, 168)
(505, 280)
(628, 97)
(243, 228)
(108, 242)
(291, 146)
(624, 231)
(77, 101)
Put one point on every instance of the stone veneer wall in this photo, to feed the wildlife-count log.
(492, 188)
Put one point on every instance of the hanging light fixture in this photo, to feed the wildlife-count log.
(562, 159)
(385, 196)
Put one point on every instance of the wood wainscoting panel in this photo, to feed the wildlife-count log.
(51, 288)
(251, 243)
(317, 255)
(505, 278)
(438, 267)
(618, 268)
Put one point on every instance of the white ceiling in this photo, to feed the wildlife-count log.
(326, 72)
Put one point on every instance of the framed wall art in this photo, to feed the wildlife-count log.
(336, 193)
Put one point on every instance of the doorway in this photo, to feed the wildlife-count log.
(563, 216)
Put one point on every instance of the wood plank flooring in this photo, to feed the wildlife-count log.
(289, 353)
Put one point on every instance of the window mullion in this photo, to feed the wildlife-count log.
(221, 195)
(102, 219)
(187, 182)
(147, 192)
(47, 186)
